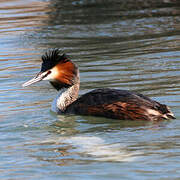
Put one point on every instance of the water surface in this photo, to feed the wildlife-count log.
(118, 45)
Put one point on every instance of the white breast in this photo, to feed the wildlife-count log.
(54, 106)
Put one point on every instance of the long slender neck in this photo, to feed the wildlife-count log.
(68, 95)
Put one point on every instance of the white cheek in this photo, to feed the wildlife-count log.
(52, 75)
(49, 77)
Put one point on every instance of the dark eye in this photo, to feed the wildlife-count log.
(48, 72)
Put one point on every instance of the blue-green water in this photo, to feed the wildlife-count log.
(119, 45)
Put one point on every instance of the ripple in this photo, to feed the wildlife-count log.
(115, 44)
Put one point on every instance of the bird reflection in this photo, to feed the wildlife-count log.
(78, 141)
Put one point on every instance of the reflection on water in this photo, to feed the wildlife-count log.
(128, 45)
(81, 149)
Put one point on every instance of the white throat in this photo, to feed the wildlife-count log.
(65, 97)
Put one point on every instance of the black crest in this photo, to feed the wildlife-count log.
(51, 58)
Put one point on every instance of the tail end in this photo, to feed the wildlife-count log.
(170, 115)
(166, 112)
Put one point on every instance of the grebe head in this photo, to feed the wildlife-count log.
(57, 68)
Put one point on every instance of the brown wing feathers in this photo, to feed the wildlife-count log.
(118, 104)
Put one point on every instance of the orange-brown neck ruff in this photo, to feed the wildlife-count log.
(64, 72)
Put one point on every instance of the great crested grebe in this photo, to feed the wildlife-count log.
(63, 74)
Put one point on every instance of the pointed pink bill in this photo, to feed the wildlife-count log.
(40, 76)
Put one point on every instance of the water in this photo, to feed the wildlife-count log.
(133, 46)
